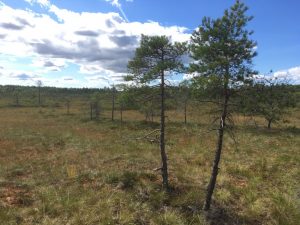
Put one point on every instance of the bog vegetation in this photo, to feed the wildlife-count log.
(220, 148)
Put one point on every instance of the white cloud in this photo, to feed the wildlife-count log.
(114, 3)
(118, 5)
(292, 75)
(42, 3)
(17, 77)
(47, 65)
(98, 43)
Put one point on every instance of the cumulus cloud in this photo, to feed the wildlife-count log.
(48, 64)
(23, 76)
(17, 77)
(11, 26)
(123, 41)
(89, 33)
(292, 75)
(61, 36)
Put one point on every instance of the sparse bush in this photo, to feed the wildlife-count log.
(125, 180)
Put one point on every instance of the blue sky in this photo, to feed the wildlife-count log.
(76, 43)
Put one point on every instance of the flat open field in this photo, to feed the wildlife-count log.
(65, 169)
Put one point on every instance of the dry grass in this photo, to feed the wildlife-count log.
(64, 169)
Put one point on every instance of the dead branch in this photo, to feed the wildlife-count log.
(157, 169)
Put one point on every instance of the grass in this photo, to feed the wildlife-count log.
(64, 169)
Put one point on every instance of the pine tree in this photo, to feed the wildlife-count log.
(223, 54)
(155, 59)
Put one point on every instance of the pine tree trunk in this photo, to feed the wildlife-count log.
(68, 108)
(113, 105)
(17, 99)
(97, 110)
(269, 124)
(39, 96)
(162, 135)
(185, 106)
(152, 115)
(91, 111)
(121, 112)
(215, 169)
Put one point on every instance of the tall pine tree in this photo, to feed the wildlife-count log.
(156, 58)
(223, 52)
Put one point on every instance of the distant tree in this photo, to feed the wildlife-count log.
(269, 97)
(123, 98)
(16, 95)
(91, 110)
(68, 103)
(184, 95)
(150, 109)
(39, 84)
(95, 105)
(148, 102)
(154, 60)
(113, 96)
(223, 56)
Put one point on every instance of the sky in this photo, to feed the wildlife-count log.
(87, 43)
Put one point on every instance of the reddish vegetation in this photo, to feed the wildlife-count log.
(12, 195)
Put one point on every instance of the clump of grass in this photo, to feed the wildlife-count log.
(125, 180)
(284, 209)
(158, 199)
(170, 217)
(223, 195)
(88, 176)
(17, 172)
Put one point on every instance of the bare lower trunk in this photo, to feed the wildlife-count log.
(17, 99)
(185, 106)
(91, 111)
(39, 96)
(152, 116)
(121, 113)
(113, 105)
(215, 169)
(269, 124)
(162, 136)
(97, 110)
(68, 108)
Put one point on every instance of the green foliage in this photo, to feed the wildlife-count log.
(155, 54)
(270, 98)
(126, 180)
(126, 97)
(96, 104)
(184, 90)
(203, 87)
(223, 50)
